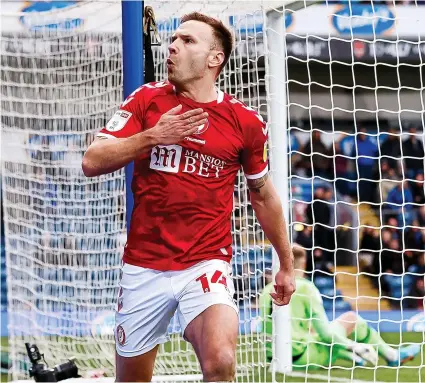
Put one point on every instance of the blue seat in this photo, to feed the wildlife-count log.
(328, 303)
(336, 304)
(342, 305)
(399, 285)
(331, 292)
(323, 282)
(327, 292)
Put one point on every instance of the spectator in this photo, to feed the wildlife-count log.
(370, 240)
(369, 247)
(410, 258)
(378, 266)
(317, 159)
(418, 189)
(391, 149)
(365, 152)
(392, 259)
(319, 215)
(415, 300)
(318, 212)
(419, 268)
(341, 161)
(296, 156)
(413, 153)
(399, 203)
(342, 164)
(413, 237)
(394, 229)
(328, 198)
(387, 236)
(421, 215)
(388, 180)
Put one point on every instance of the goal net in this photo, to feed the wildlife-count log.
(347, 100)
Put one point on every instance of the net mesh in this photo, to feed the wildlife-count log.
(65, 233)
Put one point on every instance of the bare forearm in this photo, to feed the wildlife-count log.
(270, 215)
(108, 155)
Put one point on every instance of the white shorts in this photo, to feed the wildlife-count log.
(148, 299)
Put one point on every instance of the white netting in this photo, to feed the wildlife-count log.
(355, 96)
(349, 68)
(64, 232)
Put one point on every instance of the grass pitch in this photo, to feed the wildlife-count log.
(252, 367)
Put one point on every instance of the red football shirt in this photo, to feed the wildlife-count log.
(183, 193)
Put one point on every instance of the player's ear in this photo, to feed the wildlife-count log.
(216, 59)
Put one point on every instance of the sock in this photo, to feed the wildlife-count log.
(365, 334)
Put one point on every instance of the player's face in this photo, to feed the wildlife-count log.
(191, 54)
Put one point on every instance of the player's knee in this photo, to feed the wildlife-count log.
(351, 316)
(220, 367)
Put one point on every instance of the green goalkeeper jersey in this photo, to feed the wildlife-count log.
(307, 313)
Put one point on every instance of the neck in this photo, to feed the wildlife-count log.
(199, 91)
(299, 273)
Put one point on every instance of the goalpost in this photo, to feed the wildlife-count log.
(65, 68)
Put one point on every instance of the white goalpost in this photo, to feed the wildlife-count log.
(310, 68)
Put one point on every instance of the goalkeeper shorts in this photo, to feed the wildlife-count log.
(148, 299)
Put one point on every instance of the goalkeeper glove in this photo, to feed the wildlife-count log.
(365, 351)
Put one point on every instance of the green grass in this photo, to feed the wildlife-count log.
(413, 371)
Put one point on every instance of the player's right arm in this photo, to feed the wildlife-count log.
(124, 139)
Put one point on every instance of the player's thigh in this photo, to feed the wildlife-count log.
(207, 311)
(213, 335)
(345, 323)
(145, 306)
(137, 368)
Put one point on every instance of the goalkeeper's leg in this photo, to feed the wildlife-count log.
(321, 355)
(358, 330)
(342, 352)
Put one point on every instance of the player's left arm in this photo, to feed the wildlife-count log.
(268, 206)
(268, 209)
(319, 319)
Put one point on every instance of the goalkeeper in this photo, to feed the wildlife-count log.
(318, 342)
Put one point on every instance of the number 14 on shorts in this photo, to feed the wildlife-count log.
(217, 278)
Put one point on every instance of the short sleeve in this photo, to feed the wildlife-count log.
(127, 120)
(254, 156)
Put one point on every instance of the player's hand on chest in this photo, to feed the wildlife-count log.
(212, 146)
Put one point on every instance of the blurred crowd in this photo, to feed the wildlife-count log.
(381, 175)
